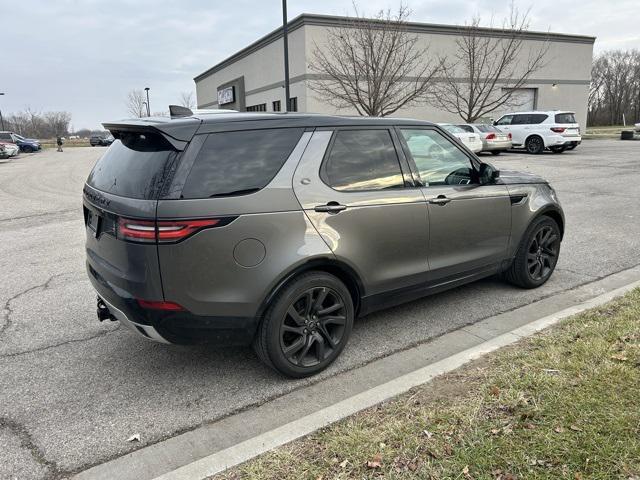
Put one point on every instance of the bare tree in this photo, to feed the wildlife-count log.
(187, 100)
(373, 65)
(137, 103)
(488, 68)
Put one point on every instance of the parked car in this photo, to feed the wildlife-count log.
(493, 139)
(26, 145)
(8, 150)
(279, 230)
(536, 131)
(469, 139)
(101, 140)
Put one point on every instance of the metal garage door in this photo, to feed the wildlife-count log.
(523, 99)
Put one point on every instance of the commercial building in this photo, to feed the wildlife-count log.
(252, 79)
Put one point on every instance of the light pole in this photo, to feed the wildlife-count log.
(285, 37)
(1, 119)
(148, 109)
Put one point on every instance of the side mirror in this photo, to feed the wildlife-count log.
(488, 173)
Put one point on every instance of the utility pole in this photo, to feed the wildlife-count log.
(1, 119)
(148, 108)
(285, 33)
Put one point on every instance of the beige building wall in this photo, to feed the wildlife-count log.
(562, 83)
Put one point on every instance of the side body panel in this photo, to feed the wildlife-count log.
(228, 271)
(382, 234)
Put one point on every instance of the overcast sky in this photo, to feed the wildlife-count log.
(84, 56)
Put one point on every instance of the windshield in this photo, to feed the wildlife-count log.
(487, 128)
(453, 129)
(135, 166)
(19, 137)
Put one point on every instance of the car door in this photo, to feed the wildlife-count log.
(504, 124)
(363, 203)
(521, 128)
(469, 221)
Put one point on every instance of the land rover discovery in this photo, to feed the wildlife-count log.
(280, 229)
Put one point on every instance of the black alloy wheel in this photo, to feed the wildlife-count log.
(542, 253)
(313, 327)
(535, 145)
(306, 326)
(537, 254)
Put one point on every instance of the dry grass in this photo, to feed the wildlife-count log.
(562, 404)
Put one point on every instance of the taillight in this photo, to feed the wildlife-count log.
(510, 136)
(160, 305)
(165, 231)
(558, 129)
(491, 136)
(137, 230)
(170, 231)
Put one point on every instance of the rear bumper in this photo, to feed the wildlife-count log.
(182, 328)
(489, 146)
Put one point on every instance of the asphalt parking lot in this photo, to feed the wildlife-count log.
(73, 390)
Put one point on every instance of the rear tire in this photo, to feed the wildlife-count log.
(537, 254)
(534, 145)
(558, 149)
(571, 147)
(307, 325)
(496, 152)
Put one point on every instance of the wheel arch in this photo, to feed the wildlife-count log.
(555, 214)
(341, 270)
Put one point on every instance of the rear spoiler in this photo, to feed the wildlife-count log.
(177, 131)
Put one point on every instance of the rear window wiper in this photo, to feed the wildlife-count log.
(244, 191)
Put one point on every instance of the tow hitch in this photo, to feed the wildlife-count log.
(103, 312)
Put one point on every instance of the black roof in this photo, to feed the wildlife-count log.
(184, 128)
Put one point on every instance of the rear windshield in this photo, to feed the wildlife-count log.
(565, 118)
(453, 129)
(239, 163)
(134, 166)
(487, 128)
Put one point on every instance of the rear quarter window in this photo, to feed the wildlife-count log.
(238, 163)
(565, 118)
(135, 166)
(536, 118)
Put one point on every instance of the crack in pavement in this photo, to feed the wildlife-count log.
(103, 333)
(9, 219)
(7, 311)
(27, 442)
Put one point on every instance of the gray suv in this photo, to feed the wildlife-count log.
(280, 229)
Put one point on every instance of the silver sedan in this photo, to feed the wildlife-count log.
(493, 139)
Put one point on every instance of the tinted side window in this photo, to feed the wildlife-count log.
(362, 160)
(565, 118)
(506, 120)
(6, 136)
(521, 120)
(237, 163)
(439, 162)
(537, 118)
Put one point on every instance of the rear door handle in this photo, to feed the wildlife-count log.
(331, 207)
(440, 200)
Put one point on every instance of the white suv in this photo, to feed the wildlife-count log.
(536, 131)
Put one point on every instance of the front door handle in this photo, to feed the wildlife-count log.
(440, 200)
(331, 207)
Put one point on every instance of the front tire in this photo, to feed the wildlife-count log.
(534, 145)
(537, 254)
(27, 149)
(307, 325)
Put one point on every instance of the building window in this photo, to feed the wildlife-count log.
(293, 104)
(276, 106)
(261, 107)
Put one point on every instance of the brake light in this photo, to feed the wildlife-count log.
(164, 231)
(510, 136)
(179, 229)
(160, 305)
(137, 230)
(558, 129)
(491, 136)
